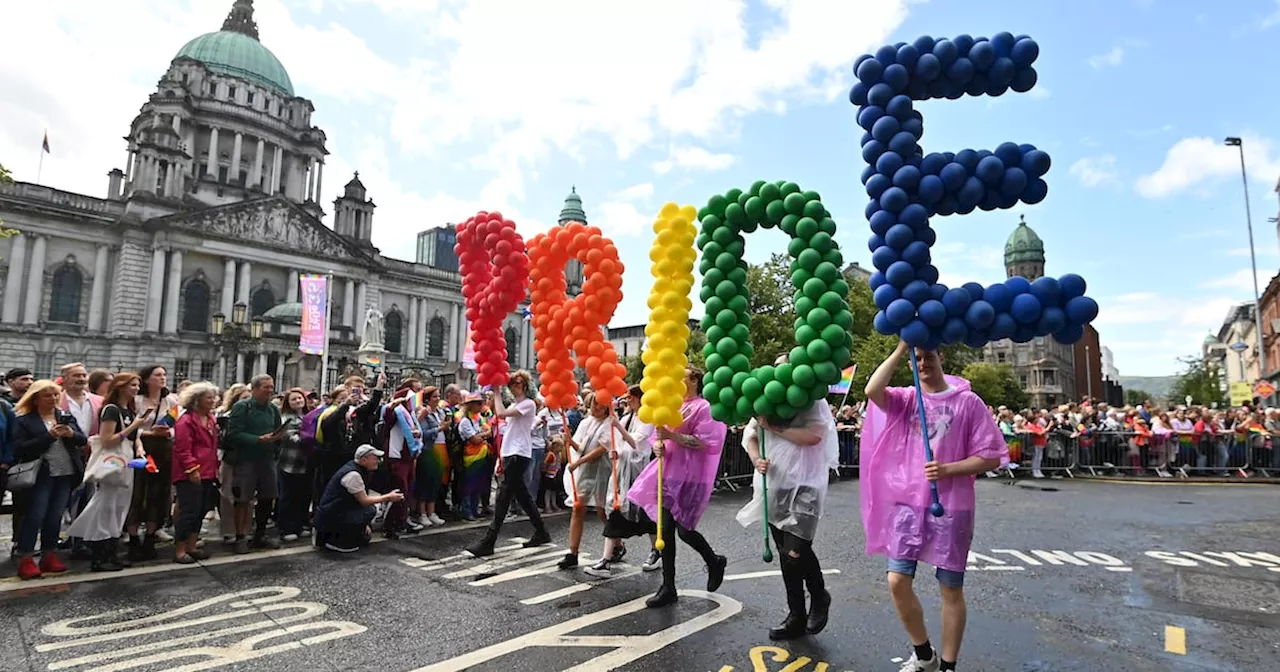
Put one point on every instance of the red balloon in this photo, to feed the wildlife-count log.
(493, 283)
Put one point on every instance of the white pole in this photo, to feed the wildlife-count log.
(328, 311)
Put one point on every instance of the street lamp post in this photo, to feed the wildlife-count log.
(1253, 264)
(1088, 374)
(234, 337)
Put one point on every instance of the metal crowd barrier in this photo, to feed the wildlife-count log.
(735, 470)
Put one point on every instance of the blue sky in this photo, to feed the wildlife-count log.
(449, 107)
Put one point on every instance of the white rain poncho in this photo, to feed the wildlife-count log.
(591, 480)
(631, 461)
(798, 475)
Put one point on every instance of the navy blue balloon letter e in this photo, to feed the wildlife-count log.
(908, 187)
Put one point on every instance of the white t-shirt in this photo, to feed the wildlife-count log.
(518, 440)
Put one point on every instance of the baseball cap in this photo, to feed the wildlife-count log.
(366, 450)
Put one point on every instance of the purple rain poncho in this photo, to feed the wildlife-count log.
(895, 493)
(689, 474)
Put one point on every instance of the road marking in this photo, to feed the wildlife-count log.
(1175, 640)
(427, 565)
(625, 648)
(580, 587)
(996, 568)
(767, 572)
(1119, 569)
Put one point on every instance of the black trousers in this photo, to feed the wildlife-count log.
(192, 502)
(798, 571)
(695, 540)
(512, 486)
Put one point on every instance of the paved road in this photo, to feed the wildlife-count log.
(1090, 576)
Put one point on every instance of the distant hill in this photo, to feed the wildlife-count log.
(1156, 386)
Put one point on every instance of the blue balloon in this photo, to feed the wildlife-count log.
(900, 273)
(899, 107)
(871, 151)
(879, 94)
(1069, 334)
(916, 254)
(917, 292)
(887, 55)
(1036, 163)
(931, 189)
(1024, 333)
(983, 55)
(990, 170)
(876, 185)
(928, 273)
(1035, 192)
(953, 176)
(976, 338)
(947, 205)
(859, 61)
(907, 177)
(1047, 291)
(939, 87)
(875, 242)
(954, 331)
(915, 333)
(1002, 327)
(961, 72)
(938, 291)
(969, 159)
(946, 52)
(868, 171)
(1072, 286)
(904, 143)
(908, 55)
(927, 234)
(1025, 52)
(1025, 309)
(883, 325)
(899, 237)
(933, 163)
(1003, 43)
(979, 315)
(1009, 153)
(924, 44)
(1024, 80)
(963, 43)
(1014, 183)
(869, 71)
(871, 209)
(900, 312)
(858, 94)
(978, 85)
(1052, 320)
(933, 313)
(915, 127)
(876, 281)
(971, 193)
(928, 68)
(1001, 73)
(1018, 285)
(885, 295)
(885, 128)
(991, 200)
(894, 199)
(999, 297)
(889, 162)
(881, 221)
(884, 257)
(1081, 310)
(957, 300)
(976, 291)
(869, 115)
(896, 76)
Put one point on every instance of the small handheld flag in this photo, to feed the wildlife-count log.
(846, 381)
(169, 419)
(45, 145)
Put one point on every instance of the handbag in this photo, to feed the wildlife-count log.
(22, 476)
(108, 466)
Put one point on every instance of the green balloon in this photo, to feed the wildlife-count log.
(711, 221)
(737, 247)
(748, 225)
(798, 322)
(842, 355)
(804, 376)
(716, 205)
(726, 262)
(725, 235)
(797, 396)
(813, 288)
(712, 249)
(706, 264)
(739, 362)
(786, 412)
(708, 349)
(818, 349)
(804, 305)
(833, 256)
(755, 187)
(809, 259)
(827, 272)
(833, 302)
(733, 194)
(727, 347)
(827, 224)
(739, 377)
(710, 318)
(726, 290)
(725, 319)
(769, 192)
(794, 203)
(788, 224)
(722, 376)
(743, 408)
(833, 335)
(752, 387)
(764, 374)
(745, 319)
(762, 406)
(754, 209)
(800, 276)
(734, 214)
(840, 287)
(710, 391)
(746, 350)
(827, 372)
(805, 335)
(806, 227)
(843, 318)
(814, 209)
(796, 246)
(782, 373)
(715, 304)
(817, 392)
(788, 188)
(737, 276)
(715, 333)
(811, 195)
(738, 304)
(739, 333)
(720, 413)
(775, 392)
(742, 198)
(822, 242)
(714, 362)
(774, 212)
(799, 356)
(728, 398)
(819, 318)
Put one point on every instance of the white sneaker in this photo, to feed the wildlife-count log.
(600, 570)
(163, 537)
(289, 537)
(435, 520)
(913, 664)
(654, 562)
(1037, 474)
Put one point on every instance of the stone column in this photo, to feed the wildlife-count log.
(278, 374)
(454, 352)
(421, 343)
(212, 164)
(411, 348)
(228, 287)
(348, 302)
(319, 181)
(193, 167)
(291, 294)
(233, 175)
(220, 371)
(13, 280)
(173, 289)
(155, 291)
(361, 300)
(277, 165)
(128, 165)
(35, 281)
(98, 295)
(311, 179)
(255, 174)
(242, 292)
(240, 370)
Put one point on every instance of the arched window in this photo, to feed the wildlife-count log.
(435, 337)
(262, 300)
(195, 306)
(64, 302)
(393, 325)
(513, 347)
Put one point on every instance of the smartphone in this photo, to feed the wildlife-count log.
(281, 428)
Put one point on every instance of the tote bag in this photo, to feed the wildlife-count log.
(108, 466)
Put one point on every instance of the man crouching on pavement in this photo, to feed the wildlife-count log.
(347, 507)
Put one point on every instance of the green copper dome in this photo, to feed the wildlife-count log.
(236, 51)
(572, 210)
(1023, 246)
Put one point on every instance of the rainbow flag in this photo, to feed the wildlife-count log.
(846, 381)
(171, 418)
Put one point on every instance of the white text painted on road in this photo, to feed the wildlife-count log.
(1015, 560)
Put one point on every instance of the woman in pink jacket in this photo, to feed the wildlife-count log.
(195, 468)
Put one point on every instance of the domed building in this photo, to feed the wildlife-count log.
(216, 215)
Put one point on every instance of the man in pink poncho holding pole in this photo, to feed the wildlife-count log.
(896, 491)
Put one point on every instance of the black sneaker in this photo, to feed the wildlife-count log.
(538, 539)
(654, 562)
(600, 570)
(715, 573)
(619, 552)
(482, 549)
(569, 561)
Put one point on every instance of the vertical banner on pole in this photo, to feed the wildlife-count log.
(314, 314)
(469, 351)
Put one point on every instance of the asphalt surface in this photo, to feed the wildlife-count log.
(1075, 576)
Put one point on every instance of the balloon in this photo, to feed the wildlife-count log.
(495, 277)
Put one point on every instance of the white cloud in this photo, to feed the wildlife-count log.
(1093, 171)
(958, 263)
(635, 192)
(1109, 59)
(1040, 92)
(620, 218)
(1271, 20)
(1240, 281)
(1202, 162)
(693, 158)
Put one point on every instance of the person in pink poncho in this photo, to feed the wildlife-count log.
(896, 492)
(692, 454)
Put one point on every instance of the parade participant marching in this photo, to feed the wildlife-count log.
(797, 460)
(517, 448)
(631, 456)
(692, 455)
(896, 492)
(587, 474)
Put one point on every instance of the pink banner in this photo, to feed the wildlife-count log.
(315, 313)
(469, 351)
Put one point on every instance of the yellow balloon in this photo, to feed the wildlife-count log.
(673, 258)
(646, 414)
(671, 210)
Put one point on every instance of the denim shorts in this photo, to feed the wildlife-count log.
(947, 577)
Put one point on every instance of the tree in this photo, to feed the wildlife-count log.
(1203, 384)
(1136, 397)
(773, 314)
(997, 384)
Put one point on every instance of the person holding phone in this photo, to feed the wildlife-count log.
(254, 429)
(152, 492)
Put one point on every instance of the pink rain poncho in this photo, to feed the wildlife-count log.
(895, 493)
(689, 474)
